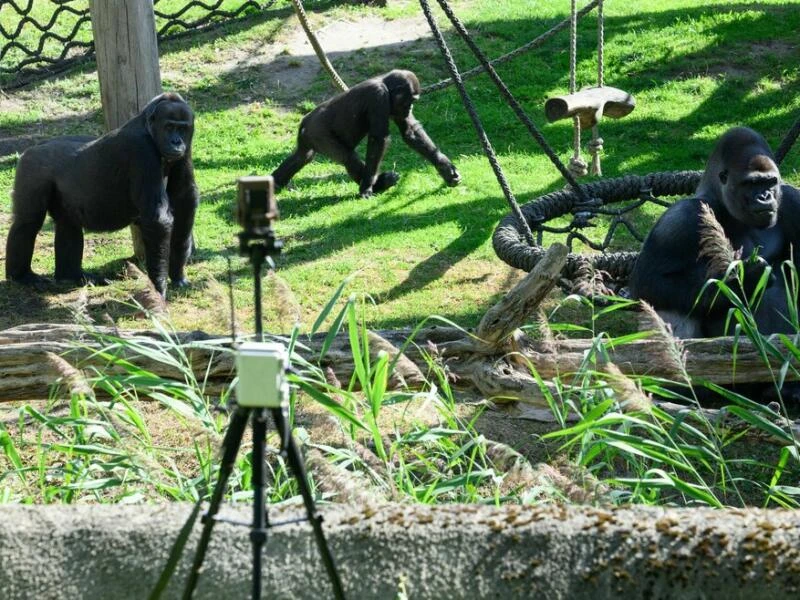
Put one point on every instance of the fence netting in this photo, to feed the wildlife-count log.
(41, 37)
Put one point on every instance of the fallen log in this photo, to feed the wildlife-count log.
(497, 360)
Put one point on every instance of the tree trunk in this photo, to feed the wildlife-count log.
(127, 65)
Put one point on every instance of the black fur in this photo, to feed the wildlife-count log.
(335, 127)
(141, 173)
(758, 212)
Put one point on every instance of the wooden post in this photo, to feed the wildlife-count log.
(127, 65)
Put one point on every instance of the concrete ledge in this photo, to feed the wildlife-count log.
(116, 552)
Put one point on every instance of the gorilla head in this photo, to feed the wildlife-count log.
(170, 122)
(404, 90)
(749, 183)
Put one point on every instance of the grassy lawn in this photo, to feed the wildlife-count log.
(694, 68)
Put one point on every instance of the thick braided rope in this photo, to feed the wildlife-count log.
(510, 247)
(514, 53)
(510, 99)
(788, 141)
(321, 56)
(522, 224)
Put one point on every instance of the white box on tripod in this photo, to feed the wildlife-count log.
(261, 367)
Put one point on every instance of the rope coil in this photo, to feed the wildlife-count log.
(615, 267)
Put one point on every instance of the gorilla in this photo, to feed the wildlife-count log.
(335, 127)
(760, 216)
(141, 173)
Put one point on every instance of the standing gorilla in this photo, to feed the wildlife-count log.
(141, 173)
(758, 213)
(335, 127)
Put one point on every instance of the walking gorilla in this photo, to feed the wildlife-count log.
(335, 127)
(758, 213)
(141, 173)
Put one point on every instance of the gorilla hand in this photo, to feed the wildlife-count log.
(385, 180)
(382, 183)
(752, 273)
(448, 172)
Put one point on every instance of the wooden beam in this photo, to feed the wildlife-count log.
(590, 104)
(127, 65)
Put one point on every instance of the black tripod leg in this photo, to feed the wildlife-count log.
(258, 533)
(297, 465)
(230, 448)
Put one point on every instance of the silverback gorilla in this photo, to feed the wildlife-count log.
(140, 173)
(759, 214)
(335, 127)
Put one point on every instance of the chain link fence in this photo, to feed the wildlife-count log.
(42, 37)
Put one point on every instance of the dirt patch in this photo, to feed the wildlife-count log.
(285, 69)
(294, 69)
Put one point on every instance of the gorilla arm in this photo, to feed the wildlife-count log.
(378, 112)
(183, 201)
(156, 222)
(415, 137)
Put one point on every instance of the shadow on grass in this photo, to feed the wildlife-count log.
(730, 52)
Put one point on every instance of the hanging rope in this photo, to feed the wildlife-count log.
(596, 145)
(484, 140)
(509, 98)
(323, 59)
(514, 53)
(788, 141)
(577, 166)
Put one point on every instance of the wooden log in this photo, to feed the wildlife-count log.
(590, 104)
(126, 47)
(516, 307)
(25, 371)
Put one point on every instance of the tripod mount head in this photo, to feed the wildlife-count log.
(256, 211)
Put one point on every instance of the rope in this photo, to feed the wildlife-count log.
(615, 267)
(485, 143)
(596, 145)
(514, 53)
(323, 59)
(788, 141)
(577, 166)
(600, 45)
(509, 98)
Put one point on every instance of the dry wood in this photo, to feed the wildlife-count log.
(498, 363)
(25, 372)
(590, 104)
(124, 33)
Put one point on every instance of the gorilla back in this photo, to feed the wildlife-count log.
(140, 173)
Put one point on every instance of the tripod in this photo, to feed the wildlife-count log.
(258, 244)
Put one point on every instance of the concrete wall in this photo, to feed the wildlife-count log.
(117, 552)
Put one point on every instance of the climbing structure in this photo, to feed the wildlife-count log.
(518, 237)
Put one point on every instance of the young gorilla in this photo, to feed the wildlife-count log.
(335, 127)
(758, 212)
(140, 173)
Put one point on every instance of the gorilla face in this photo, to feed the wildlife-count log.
(754, 195)
(404, 90)
(172, 127)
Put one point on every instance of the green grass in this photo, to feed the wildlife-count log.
(422, 248)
